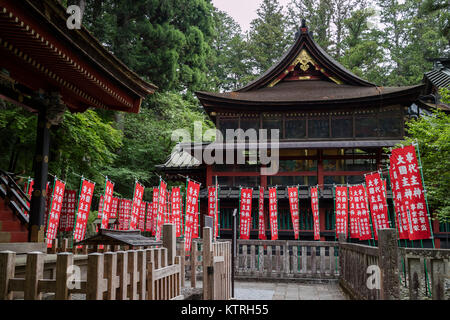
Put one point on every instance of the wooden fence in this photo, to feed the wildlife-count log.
(393, 273)
(150, 274)
(267, 259)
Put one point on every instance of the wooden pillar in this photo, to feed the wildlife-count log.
(37, 210)
(209, 177)
(170, 242)
(7, 267)
(437, 241)
(34, 271)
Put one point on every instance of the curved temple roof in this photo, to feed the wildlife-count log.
(306, 75)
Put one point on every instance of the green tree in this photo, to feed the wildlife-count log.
(433, 136)
(267, 37)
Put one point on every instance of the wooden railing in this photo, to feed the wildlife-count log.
(286, 259)
(392, 273)
(14, 196)
(150, 274)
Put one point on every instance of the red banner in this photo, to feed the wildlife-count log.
(149, 217)
(107, 202)
(341, 211)
(55, 210)
(261, 223)
(192, 194)
(137, 199)
(177, 217)
(213, 208)
(114, 208)
(142, 210)
(354, 224)
(84, 206)
(293, 206)
(124, 213)
(273, 211)
(377, 200)
(245, 213)
(155, 209)
(315, 211)
(362, 213)
(160, 216)
(67, 211)
(29, 191)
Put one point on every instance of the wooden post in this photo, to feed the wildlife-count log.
(142, 266)
(207, 264)
(437, 279)
(64, 260)
(132, 271)
(122, 273)
(7, 267)
(150, 282)
(183, 263)
(163, 257)
(388, 263)
(41, 156)
(110, 271)
(94, 287)
(342, 239)
(34, 272)
(170, 242)
(64, 245)
(193, 264)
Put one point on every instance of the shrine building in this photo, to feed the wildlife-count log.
(334, 127)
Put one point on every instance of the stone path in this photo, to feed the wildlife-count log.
(287, 291)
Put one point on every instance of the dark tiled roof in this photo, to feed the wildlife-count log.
(122, 237)
(439, 78)
(308, 91)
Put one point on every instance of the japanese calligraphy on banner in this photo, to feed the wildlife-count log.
(155, 209)
(84, 206)
(261, 224)
(100, 208)
(273, 212)
(213, 208)
(407, 184)
(293, 206)
(137, 199)
(177, 217)
(114, 207)
(341, 211)
(149, 218)
(245, 213)
(124, 213)
(160, 210)
(69, 202)
(142, 209)
(107, 203)
(354, 226)
(192, 194)
(362, 213)
(376, 190)
(55, 210)
(315, 211)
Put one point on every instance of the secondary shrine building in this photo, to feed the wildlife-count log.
(333, 128)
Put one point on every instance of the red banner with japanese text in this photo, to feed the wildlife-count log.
(273, 212)
(29, 190)
(55, 210)
(341, 205)
(114, 208)
(315, 211)
(124, 213)
(142, 210)
(67, 211)
(192, 194)
(213, 208)
(84, 206)
(407, 182)
(245, 213)
(261, 222)
(107, 203)
(177, 217)
(354, 224)
(293, 206)
(155, 209)
(160, 216)
(149, 217)
(362, 213)
(136, 207)
(376, 191)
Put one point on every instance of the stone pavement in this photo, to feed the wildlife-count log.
(287, 291)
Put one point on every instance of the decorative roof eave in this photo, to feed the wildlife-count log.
(217, 102)
(42, 29)
(335, 71)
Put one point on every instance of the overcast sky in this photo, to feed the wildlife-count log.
(242, 11)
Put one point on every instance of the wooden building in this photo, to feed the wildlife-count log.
(333, 128)
(47, 68)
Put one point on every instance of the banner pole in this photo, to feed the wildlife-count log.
(425, 193)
